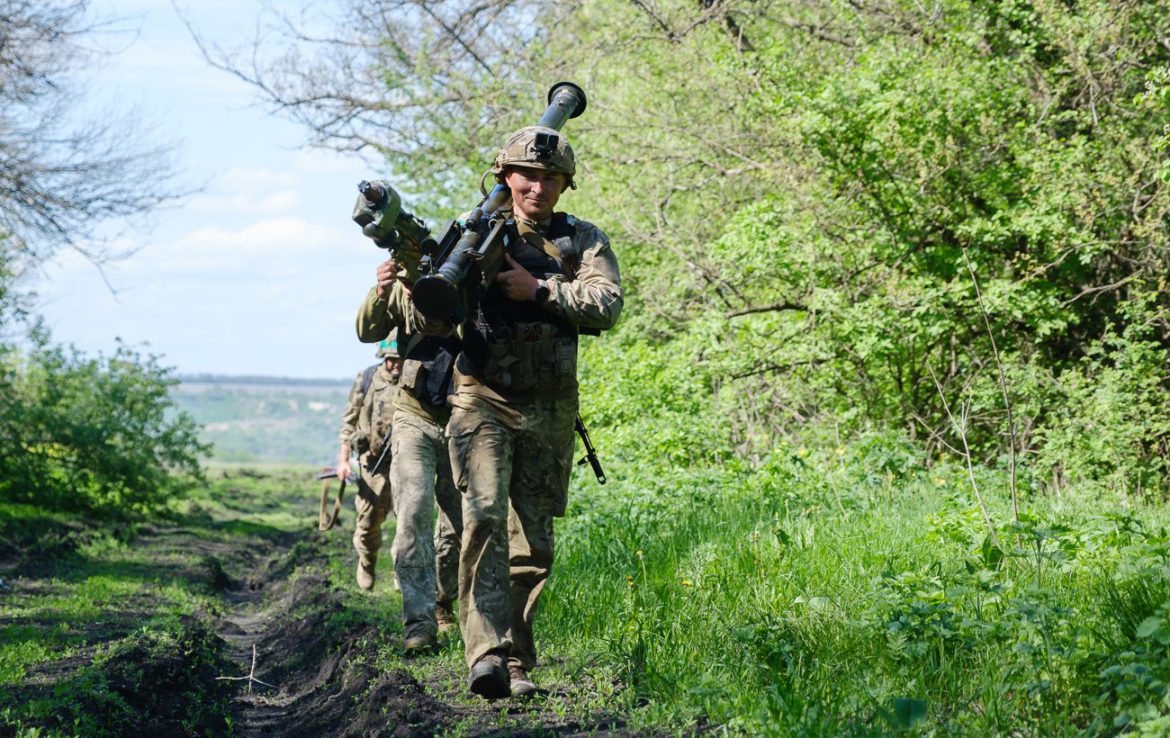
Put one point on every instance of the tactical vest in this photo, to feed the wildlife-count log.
(521, 346)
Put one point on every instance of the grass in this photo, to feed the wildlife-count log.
(799, 598)
(803, 603)
(91, 604)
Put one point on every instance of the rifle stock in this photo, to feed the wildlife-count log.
(590, 452)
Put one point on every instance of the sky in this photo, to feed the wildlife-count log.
(262, 271)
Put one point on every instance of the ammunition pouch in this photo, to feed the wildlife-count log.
(427, 371)
(528, 356)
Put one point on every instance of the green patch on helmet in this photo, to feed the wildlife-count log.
(388, 346)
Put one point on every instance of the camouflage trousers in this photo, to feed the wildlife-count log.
(447, 558)
(373, 503)
(512, 467)
(421, 474)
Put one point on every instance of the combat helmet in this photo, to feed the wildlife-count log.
(537, 147)
(388, 347)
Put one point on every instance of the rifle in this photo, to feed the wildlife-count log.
(590, 452)
(373, 468)
(470, 253)
(326, 520)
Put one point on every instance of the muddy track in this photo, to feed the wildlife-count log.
(215, 599)
(319, 682)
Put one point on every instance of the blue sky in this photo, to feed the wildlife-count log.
(262, 271)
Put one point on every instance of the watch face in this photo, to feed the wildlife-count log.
(541, 293)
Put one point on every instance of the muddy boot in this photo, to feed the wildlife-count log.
(419, 644)
(365, 572)
(489, 678)
(444, 616)
(521, 685)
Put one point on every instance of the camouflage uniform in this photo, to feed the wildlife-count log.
(447, 557)
(512, 425)
(365, 424)
(421, 469)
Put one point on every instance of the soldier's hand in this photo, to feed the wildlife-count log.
(517, 283)
(387, 275)
(342, 468)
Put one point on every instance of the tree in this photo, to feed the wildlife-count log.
(61, 175)
(426, 87)
(862, 214)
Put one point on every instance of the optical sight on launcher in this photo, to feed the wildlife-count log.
(470, 253)
(379, 212)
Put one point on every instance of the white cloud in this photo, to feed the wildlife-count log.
(260, 273)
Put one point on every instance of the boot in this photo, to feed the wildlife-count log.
(444, 616)
(365, 572)
(521, 685)
(419, 644)
(489, 678)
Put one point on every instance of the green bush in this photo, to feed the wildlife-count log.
(93, 434)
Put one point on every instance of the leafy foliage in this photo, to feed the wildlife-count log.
(98, 434)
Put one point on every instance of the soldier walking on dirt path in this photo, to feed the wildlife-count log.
(515, 403)
(420, 470)
(365, 427)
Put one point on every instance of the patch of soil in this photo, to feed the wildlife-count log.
(322, 685)
(281, 658)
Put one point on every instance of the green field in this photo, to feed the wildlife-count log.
(266, 420)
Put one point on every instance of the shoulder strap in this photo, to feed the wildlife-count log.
(560, 233)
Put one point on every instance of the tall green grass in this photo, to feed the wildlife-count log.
(813, 597)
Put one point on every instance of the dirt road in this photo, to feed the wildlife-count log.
(239, 618)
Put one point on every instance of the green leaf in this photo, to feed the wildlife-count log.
(1150, 626)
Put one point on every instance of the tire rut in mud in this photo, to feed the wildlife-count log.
(321, 684)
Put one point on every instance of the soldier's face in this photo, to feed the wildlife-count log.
(394, 365)
(534, 191)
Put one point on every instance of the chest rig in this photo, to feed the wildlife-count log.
(519, 345)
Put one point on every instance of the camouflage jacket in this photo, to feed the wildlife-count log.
(375, 318)
(514, 349)
(368, 416)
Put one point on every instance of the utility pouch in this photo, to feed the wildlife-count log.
(413, 377)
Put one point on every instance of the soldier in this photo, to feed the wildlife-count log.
(365, 427)
(420, 471)
(514, 406)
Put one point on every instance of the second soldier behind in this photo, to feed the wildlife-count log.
(421, 467)
(365, 429)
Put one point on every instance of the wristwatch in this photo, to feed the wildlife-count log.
(542, 292)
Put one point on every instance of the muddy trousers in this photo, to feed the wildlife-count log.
(513, 474)
(447, 558)
(373, 503)
(421, 474)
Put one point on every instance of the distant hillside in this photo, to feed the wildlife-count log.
(255, 379)
(266, 419)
